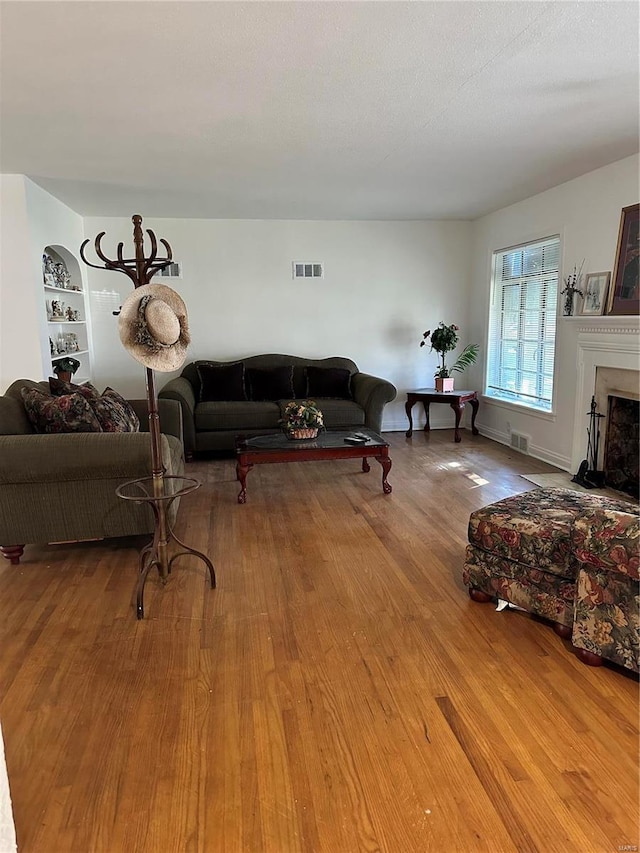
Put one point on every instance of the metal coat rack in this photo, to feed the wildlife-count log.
(152, 490)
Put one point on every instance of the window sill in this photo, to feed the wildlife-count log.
(516, 407)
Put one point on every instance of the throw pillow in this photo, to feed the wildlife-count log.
(329, 382)
(59, 387)
(69, 413)
(114, 413)
(221, 381)
(274, 383)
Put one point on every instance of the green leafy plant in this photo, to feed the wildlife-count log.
(444, 339)
(299, 414)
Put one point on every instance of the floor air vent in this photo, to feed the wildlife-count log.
(520, 442)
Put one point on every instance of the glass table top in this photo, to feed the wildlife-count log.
(324, 439)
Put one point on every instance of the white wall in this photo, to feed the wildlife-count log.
(586, 214)
(384, 284)
(19, 326)
(31, 220)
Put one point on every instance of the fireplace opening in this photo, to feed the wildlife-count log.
(622, 456)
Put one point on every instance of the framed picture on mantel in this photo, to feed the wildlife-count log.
(596, 289)
(625, 292)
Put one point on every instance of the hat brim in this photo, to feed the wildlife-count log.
(165, 359)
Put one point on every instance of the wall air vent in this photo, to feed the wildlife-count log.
(520, 442)
(305, 270)
(174, 270)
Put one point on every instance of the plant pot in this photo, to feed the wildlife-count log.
(302, 433)
(444, 384)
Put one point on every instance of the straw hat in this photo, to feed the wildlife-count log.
(153, 326)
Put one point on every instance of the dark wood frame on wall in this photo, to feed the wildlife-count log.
(624, 297)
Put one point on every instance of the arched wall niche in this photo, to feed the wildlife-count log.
(60, 253)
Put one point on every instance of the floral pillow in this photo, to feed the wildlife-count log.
(68, 413)
(114, 413)
(59, 387)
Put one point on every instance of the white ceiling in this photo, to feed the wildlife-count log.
(314, 110)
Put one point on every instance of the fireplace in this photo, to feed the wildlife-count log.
(621, 454)
(608, 367)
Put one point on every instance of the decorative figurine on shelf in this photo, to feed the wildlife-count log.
(48, 272)
(61, 275)
(56, 309)
(65, 368)
(52, 347)
(71, 314)
(571, 287)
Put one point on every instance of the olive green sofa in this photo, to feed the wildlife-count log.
(214, 425)
(59, 488)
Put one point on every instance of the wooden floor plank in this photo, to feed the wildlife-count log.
(337, 692)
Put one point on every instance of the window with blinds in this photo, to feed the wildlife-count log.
(522, 324)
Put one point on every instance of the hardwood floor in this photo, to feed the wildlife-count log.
(337, 692)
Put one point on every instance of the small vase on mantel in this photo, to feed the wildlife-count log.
(444, 384)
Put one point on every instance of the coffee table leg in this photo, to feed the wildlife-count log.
(241, 473)
(427, 425)
(365, 465)
(386, 467)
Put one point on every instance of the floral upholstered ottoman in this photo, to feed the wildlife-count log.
(529, 550)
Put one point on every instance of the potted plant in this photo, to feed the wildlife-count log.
(444, 339)
(64, 368)
(301, 419)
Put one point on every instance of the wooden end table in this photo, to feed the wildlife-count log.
(456, 399)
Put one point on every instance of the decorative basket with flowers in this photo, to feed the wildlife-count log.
(444, 339)
(301, 419)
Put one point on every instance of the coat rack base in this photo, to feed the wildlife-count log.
(160, 492)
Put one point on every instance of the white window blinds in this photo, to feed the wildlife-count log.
(522, 324)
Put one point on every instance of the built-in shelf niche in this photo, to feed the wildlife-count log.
(65, 303)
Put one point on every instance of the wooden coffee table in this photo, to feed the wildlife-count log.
(264, 449)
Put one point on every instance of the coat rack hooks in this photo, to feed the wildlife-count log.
(139, 269)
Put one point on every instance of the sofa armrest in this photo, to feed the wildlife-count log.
(372, 394)
(181, 390)
(170, 414)
(608, 540)
(77, 456)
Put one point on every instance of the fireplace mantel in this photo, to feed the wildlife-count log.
(609, 325)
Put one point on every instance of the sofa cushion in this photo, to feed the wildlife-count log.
(13, 417)
(534, 528)
(69, 413)
(237, 415)
(221, 381)
(59, 387)
(114, 413)
(329, 382)
(274, 383)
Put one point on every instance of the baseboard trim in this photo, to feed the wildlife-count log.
(541, 453)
